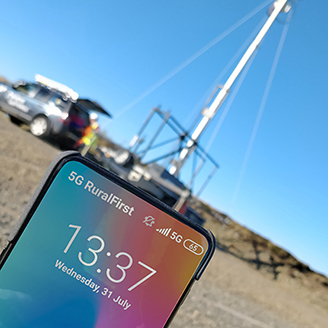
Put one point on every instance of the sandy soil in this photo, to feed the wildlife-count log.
(232, 292)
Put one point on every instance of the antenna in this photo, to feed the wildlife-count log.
(209, 113)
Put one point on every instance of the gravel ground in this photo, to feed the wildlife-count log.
(230, 294)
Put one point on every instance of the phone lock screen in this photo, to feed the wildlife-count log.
(93, 254)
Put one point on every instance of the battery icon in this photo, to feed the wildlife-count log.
(193, 247)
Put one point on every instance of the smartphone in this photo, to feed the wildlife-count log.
(91, 250)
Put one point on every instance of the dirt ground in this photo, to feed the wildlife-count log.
(232, 292)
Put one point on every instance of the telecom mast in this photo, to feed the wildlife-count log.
(208, 113)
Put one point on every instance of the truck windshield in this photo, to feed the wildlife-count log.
(28, 88)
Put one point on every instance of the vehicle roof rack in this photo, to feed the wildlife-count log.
(70, 93)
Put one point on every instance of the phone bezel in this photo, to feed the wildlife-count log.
(49, 177)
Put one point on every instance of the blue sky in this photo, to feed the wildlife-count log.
(115, 51)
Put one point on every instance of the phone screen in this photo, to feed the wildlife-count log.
(94, 254)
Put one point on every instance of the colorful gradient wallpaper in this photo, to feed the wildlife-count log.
(96, 255)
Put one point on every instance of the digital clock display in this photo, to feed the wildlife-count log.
(96, 255)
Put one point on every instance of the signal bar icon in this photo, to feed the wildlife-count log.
(164, 231)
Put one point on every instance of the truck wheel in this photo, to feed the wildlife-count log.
(40, 126)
